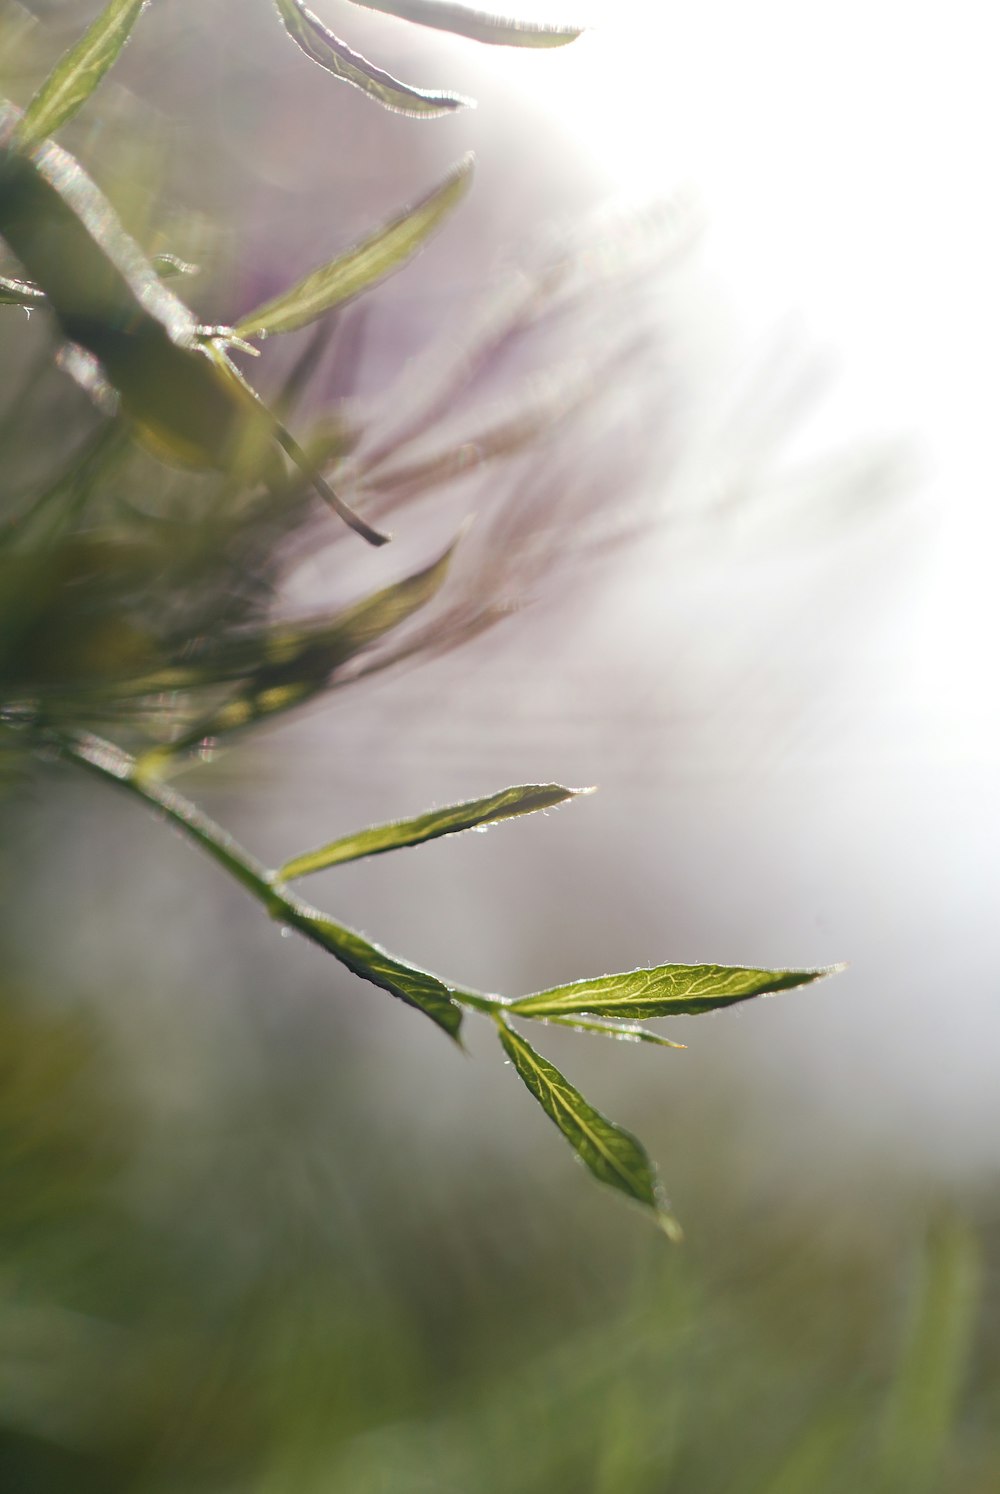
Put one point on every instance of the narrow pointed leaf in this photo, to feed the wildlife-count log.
(74, 248)
(370, 261)
(478, 25)
(612, 1154)
(320, 44)
(80, 70)
(663, 991)
(418, 988)
(525, 799)
(625, 1032)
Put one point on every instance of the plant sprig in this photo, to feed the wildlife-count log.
(613, 1155)
(80, 644)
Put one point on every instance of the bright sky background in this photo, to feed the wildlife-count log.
(846, 156)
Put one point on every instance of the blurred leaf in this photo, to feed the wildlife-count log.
(368, 262)
(525, 799)
(78, 73)
(810, 1463)
(924, 1399)
(20, 293)
(612, 1154)
(478, 25)
(26, 293)
(416, 987)
(286, 665)
(320, 44)
(663, 991)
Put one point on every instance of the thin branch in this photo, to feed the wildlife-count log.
(398, 977)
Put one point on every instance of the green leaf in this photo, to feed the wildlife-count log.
(612, 1154)
(169, 265)
(508, 430)
(525, 799)
(663, 991)
(368, 262)
(418, 988)
(320, 44)
(624, 1032)
(80, 70)
(185, 400)
(475, 24)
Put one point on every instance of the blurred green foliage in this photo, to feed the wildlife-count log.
(263, 1299)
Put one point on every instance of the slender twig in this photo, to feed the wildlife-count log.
(109, 762)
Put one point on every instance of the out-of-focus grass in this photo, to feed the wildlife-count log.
(275, 1293)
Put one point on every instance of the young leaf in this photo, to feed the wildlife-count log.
(370, 261)
(380, 838)
(20, 293)
(15, 292)
(624, 1032)
(80, 70)
(663, 991)
(418, 988)
(613, 1155)
(320, 44)
(475, 24)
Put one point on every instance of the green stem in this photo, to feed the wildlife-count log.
(106, 761)
(115, 766)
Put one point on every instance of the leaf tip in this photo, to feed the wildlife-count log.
(670, 1226)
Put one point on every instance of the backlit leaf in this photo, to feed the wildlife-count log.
(14, 292)
(663, 991)
(80, 70)
(416, 987)
(524, 799)
(612, 1154)
(320, 44)
(478, 25)
(625, 1032)
(368, 262)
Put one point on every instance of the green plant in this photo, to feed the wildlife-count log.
(155, 628)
